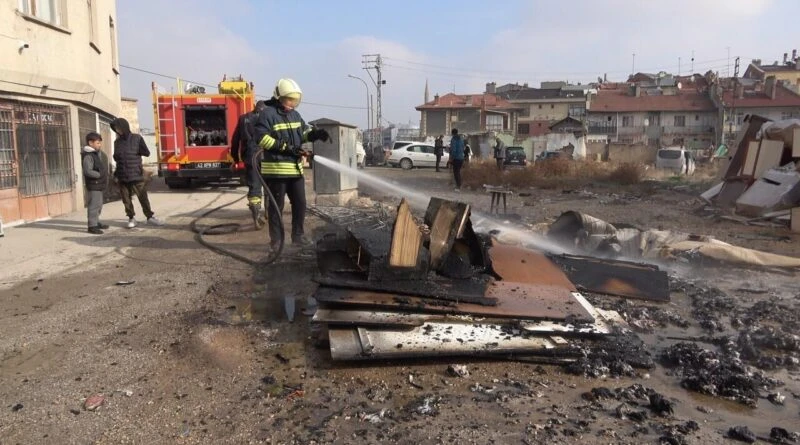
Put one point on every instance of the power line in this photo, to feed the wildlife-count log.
(142, 70)
(459, 72)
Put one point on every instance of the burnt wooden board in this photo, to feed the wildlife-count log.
(614, 277)
(470, 291)
(531, 303)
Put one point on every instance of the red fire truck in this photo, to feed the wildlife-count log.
(194, 130)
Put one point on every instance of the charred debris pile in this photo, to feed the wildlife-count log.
(436, 288)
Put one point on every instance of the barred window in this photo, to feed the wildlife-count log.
(44, 149)
(8, 157)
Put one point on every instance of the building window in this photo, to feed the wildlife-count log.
(787, 115)
(91, 7)
(577, 111)
(540, 106)
(113, 31)
(53, 12)
(552, 106)
(680, 121)
(8, 157)
(44, 149)
(525, 112)
(627, 121)
(523, 128)
(494, 122)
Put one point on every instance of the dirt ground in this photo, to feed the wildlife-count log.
(197, 348)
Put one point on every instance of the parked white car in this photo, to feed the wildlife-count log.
(677, 159)
(416, 154)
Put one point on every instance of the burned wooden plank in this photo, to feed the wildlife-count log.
(402, 320)
(447, 221)
(469, 291)
(406, 241)
(615, 277)
(520, 265)
(539, 302)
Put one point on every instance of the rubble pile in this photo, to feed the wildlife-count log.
(436, 287)
(761, 181)
(715, 374)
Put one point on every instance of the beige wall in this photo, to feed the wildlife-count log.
(556, 113)
(131, 113)
(72, 62)
(61, 57)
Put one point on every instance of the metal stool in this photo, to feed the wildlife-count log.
(498, 193)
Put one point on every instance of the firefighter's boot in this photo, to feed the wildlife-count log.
(254, 203)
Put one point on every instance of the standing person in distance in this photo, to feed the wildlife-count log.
(128, 151)
(500, 152)
(281, 131)
(456, 156)
(438, 150)
(95, 175)
(243, 147)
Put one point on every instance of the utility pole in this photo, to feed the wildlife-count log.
(692, 63)
(633, 65)
(374, 62)
(733, 101)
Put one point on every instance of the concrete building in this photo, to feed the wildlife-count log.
(470, 113)
(786, 72)
(540, 108)
(59, 80)
(630, 114)
(770, 99)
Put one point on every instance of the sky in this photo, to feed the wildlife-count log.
(454, 46)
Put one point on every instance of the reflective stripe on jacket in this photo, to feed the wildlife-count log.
(279, 132)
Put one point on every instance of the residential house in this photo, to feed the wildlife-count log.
(770, 99)
(470, 113)
(59, 80)
(542, 107)
(787, 72)
(630, 113)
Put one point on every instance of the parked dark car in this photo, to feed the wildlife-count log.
(545, 155)
(516, 156)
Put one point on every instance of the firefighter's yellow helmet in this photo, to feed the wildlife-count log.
(288, 88)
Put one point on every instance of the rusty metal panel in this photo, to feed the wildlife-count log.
(522, 265)
(614, 277)
(431, 339)
(529, 302)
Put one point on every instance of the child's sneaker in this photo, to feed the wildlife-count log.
(155, 221)
(131, 223)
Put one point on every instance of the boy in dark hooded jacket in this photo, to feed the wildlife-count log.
(128, 151)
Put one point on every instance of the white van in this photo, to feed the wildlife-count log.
(677, 159)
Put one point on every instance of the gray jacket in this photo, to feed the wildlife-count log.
(500, 150)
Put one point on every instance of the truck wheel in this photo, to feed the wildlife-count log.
(406, 164)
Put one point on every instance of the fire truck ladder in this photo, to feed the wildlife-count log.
(159, 120)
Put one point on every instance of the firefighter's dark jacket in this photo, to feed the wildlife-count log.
(278, 132)
(243, 143)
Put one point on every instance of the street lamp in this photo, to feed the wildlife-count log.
(369, 114)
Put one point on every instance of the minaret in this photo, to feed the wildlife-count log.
(426, 91)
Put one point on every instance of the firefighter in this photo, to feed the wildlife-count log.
(280, 131)
(243, 141)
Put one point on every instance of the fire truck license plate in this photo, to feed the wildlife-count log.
(208, 165)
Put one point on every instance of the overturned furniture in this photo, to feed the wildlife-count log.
(437, 288)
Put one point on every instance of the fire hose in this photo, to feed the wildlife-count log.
(226, 228)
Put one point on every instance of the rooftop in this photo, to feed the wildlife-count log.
(784, 97)
(481, 100)
(619, 100)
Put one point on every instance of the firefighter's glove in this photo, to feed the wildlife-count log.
(318, 135)
(298, 152)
